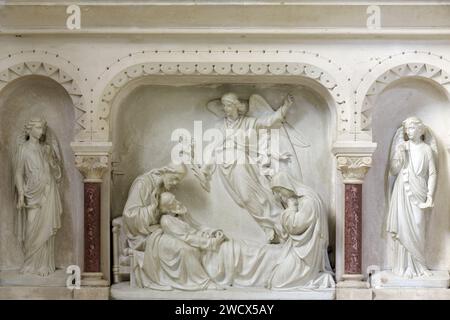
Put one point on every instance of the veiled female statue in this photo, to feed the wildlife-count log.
(37, 171)
(304, 259)
(300, 262)
(413, 163)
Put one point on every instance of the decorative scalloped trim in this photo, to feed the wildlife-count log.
(219, 69)
(38, 67)
(405, 70)
(428, 70)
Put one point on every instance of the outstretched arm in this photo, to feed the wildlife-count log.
(277, 117)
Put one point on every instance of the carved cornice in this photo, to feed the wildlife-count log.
(354, 168)
(226, 17)
(93, 167)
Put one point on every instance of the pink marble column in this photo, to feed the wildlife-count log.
(353, 169)
(353, 229)
(93, 167)
(92, 214)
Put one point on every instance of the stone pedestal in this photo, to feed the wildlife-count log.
(123, 291)
(386, 279)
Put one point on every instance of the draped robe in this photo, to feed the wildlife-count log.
(40, 219)
(166, 249)
(406, 222)
(243, 180)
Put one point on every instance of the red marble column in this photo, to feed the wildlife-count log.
(353, 169)
(353, 229)
(92, 226)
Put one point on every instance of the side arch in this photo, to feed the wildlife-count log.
(58, 69)
(424, 65)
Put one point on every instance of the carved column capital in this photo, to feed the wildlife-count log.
(92, 159)
(353, 168)
(92, 166)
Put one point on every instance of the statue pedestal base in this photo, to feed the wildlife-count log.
(123, 291)
(411, 294)
(15, 278)
(53, 293)
(17, 286)
(386, 279)
(93, 279)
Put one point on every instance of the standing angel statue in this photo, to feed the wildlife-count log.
(246, 178)
(37, 172)
(413, 163)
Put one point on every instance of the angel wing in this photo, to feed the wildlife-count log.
(55, 153)
(215, 107)
(19, 218)
(50, 139)
(17, 149)
(258, 106)
(289, 136)
(430, 139)
(398, 139)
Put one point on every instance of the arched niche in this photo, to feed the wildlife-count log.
(405, 97)
(146, 111)
(24, 98)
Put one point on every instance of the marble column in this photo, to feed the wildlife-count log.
(93, 167)
(353, 169)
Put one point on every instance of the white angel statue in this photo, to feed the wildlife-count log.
(413, 164)
(246, 177)
(37, 172)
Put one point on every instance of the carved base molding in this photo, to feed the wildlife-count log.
(353, 281)
(54, 293)
(93, 279)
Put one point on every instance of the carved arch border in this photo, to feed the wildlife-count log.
(425, 65)
(51, 65)
(254, 69)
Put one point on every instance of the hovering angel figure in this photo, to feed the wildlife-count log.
(413, 163)
(37, 172)
(247, 180)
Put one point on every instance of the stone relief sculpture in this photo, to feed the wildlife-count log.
(141, 210)
(299, 262)
(413, 163)
(247, 181)
(37, 172)
(169, 249)
(176, 252)
(173, 251)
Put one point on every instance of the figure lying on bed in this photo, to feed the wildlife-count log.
(181, 254)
